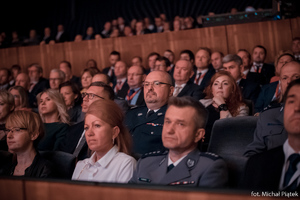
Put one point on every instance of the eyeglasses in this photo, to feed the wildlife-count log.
(134, 75)
(155, 84)
(14, 130)
(90, 96)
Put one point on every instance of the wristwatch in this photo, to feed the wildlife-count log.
(223, 107)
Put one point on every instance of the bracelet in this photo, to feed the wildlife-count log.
(223, 107)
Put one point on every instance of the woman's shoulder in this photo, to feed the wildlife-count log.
(206, 102)
(125, 157)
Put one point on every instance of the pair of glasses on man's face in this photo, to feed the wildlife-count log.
(14, 130)
(155, 84)
(90, 96)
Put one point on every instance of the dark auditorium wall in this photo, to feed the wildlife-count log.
(77, 15)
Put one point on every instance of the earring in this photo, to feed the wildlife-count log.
(113, 140)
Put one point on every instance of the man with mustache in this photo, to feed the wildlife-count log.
(145, 123)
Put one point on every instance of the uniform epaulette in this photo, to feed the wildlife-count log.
(154, 153)
(271, 106)
(210, 155)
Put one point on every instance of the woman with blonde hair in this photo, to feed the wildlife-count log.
(53, 112)
(109, 140)
(24, 130)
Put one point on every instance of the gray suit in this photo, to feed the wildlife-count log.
(196, 169)
(269, 132)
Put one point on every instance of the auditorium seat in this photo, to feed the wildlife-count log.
(250, 105)
(64, 162)
(229, 138)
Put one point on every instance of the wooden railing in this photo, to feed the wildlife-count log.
(274, 35)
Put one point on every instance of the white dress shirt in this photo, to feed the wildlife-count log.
(114, 167)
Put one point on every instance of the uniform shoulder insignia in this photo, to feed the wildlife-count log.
(210, 155)
(154, 153)
(271, 106)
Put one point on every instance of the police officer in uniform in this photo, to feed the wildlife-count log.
(145, 123)
(183, 164)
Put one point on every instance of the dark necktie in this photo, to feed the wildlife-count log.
(257, 68)
(294, 160)
(170, 167)
(149, 113)
(131, 92)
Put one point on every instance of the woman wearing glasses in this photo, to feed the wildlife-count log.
(24, 130)
(109, 141)
(53, 112)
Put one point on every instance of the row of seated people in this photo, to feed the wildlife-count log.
(114, 28)
(181, 164)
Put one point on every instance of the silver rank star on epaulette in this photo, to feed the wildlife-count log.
(182, 183)
(158, 114)
(140, 114)
(211, 155)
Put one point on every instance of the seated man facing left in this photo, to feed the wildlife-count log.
(183, 164)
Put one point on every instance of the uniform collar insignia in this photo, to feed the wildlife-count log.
(140, 114)
(190, 163)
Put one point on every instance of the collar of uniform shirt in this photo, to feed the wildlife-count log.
(175, 163)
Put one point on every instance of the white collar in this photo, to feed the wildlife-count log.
(105, 160)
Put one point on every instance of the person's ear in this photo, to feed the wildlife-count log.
(34, 136)
(171, 91)
(116, 131)
(199, 134)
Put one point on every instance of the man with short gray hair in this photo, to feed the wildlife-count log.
(56, 77)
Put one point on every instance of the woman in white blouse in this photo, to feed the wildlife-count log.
(109, 140)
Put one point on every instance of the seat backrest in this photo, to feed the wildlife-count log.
(250, 105)
(229, 139)
(64, 162)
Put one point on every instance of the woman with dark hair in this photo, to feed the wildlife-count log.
(86, 78)
(24, 130)
(110, 142)
(223, 100)
(73, 100)
(21, 98)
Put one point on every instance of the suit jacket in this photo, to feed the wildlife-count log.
(250, 90)
(63, 38)
(196, 169)
(269, 132)
(76, 79)
(265, 96)
(113, 77)
(71, 140)
(145, 132)
(264, 77)
(191, 89)
(39, 87)
(263, 171)
(123, 91)
(206, 79)
(140, 100)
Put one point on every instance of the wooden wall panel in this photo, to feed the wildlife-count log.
(29, 55)
(270, 34)
(106, 47)
(295, 26)
(9, 57)
(11, 189)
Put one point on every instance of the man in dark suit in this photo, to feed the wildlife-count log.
(74, 141)
(296, 48)
(183, 164)
(120, 86)
(234, 65)
(135, 79)
(183, 71)
(61, 35)
(4, 78)
(145, 122)
(66, 67)
(279, 168)
(113, 58)
(260, 72)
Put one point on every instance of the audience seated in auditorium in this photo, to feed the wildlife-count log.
(176, 25)
(148, 24)
(61, 35)
(53, 112)
(21, 98)
(183, 71)
(234, 65)
(47, 36)
(271, 93)
(5, 74)
(223, 100)
(279, 168)
(246, 57)
(137, 61)
(188, 22)
(145, 122)
(73, 101)
(296, 48)
(162, 63)
(216, 60)
(56, 77)
(89, 35)
(107, 30)
(204, 69)
(33, 38)
(23, 80)
(135, 78)
(128, 31)
(24, 130)
(151, 58)
(159, 26)
(14, 71)
(16, 40)
(183, 164)
(86, 78)
(260, 71)
(7, 107)
(140, 28)
(113, 58)
(110, 142)
(66, 67)
(74, 142)
(120, 86)
(270, 132)
(282, 58)
(121, 25)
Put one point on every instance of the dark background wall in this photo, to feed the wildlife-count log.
(77, 15)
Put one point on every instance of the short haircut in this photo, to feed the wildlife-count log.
(262, 47)
(187, 101)
(138, 57)
(92, 71)
(170, 51)
(189, 52)
(116, 53)
(75, 90)
(153, 54)
(248, 54)
(62, 75)
(8, 72)
(292, 83)
(232, 57)
(107, 89)
(67, 63)
(296, 38)
(208, 50)
(29, 120)
(141, 68)
(15, 67)
(162, 58)
(38, 67)
(107, 79)
(7, 98)
(219, 52)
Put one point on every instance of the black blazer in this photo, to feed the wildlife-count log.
(250, 90)
(265, 96)
(191, 89)
(123, 91)
(264, 77)
(113, 77)
(206, 79)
